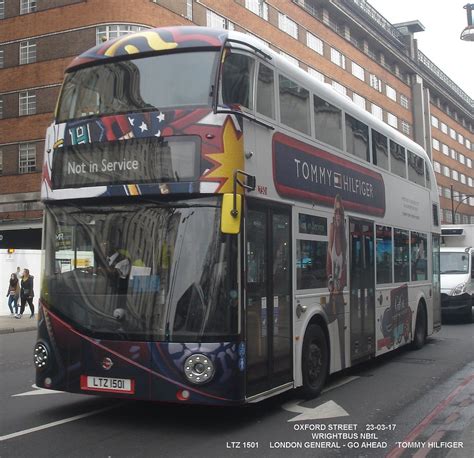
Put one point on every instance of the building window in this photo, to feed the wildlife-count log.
(111, 31)
(461, 139)
(434, 121)
(289, 58)
(316, 74)
(405, 128)
(446, 171)
(377, 111)
(218, 22)
(26, 103)
(404, 101)
(258, 7)
(27, 6)
(462, 178)
(339, 88)
(287, 25)
(392, 120)
(391, 92)
(338, 58)
(445, 149)
(358, 71)
(468, 144)
(375, 82)
(435, 144)
(2, 9)
(444, 128)
(358, 100)
(189, 9)
(452, 133)
(27, 52)
(470, 182)
(1, 58)
(462, 158)
(454, 154)
(1, 162)
(447, 193)
(27, 158)
(437, 167)
(1, 108)
(314, 43)
(469, 162)
(455, 175)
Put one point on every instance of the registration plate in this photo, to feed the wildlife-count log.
(113, 385)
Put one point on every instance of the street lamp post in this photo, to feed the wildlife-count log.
(459, 203)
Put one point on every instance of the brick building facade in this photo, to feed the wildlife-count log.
(345, 43)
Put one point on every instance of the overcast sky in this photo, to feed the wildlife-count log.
(444, 21)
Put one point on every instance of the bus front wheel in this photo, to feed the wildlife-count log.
(420, 328)
(315, 361)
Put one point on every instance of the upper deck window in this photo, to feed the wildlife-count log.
(327, 122)
(357, 138)
(237, 78)
(397, 159)
(416, 169)
(294, 105)
(379, 149)
(150, 83)
(266, 91)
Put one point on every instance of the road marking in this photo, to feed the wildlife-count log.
(37, 391)
(56, 423)
(398, 451)
(327, 410)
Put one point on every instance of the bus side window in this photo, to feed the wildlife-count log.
(397, 159)
(266, 91)
(401, 255)
(379, 149)
(237, 80)
(327, 122)
(294, 105)
(384, 254)
(416, 168)
(357, 138)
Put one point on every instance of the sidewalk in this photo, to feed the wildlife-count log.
(9, 324)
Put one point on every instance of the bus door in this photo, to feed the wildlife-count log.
(362, 287)
(268, 298)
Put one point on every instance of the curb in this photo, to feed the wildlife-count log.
(12, 330)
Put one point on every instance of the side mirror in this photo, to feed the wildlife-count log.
(230, 215)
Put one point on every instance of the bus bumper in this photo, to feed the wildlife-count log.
(67, 360)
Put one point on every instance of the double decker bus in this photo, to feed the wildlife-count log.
(220, 227)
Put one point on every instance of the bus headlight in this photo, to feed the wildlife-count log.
(459, 289)
(41, 355)
(198, 369)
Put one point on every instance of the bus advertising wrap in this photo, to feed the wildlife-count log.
(303, 172)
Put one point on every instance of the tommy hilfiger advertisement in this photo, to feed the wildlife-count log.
(304, 172)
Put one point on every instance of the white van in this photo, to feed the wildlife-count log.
(457, 271)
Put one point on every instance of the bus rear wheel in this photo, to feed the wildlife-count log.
(420, 328)
(315, 361)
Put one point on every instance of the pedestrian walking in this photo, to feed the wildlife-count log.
(26, 293)
(13, 294)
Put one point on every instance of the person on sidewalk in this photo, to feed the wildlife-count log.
(26, 293)
(13, 294)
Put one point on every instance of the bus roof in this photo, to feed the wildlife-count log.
(152, 40)
(189, 37)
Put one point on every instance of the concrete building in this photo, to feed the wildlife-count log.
(345, 43)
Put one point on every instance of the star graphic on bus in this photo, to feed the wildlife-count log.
(143, 126)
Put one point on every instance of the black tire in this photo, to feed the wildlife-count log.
(419, 338)
(314, 361)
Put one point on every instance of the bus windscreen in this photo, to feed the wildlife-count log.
(147, 83)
